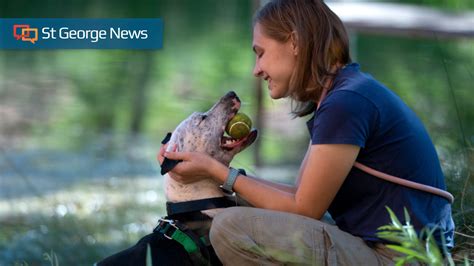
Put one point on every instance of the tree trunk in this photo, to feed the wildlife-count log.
(139, 98)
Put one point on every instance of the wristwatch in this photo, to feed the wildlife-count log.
(229, 182)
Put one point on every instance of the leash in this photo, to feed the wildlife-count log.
(406, 183)
(393, 179)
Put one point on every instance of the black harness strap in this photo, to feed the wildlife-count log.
(176, 208)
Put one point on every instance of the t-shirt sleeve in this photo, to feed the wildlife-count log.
(345, 117)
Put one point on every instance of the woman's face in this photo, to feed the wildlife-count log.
(275, 62)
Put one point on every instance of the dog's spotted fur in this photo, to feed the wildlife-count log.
(202, 132)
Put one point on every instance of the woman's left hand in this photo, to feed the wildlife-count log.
(195, 166)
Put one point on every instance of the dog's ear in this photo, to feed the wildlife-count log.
(167, 138)
(168, 165)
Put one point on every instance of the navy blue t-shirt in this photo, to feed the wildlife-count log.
(359, 110)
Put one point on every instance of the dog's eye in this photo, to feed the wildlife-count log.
(203, 117)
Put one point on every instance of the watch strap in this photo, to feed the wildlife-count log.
(229, 182)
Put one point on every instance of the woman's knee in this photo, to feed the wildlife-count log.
(228, 223)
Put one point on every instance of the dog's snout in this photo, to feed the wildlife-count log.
(232, 95)
(235, 104)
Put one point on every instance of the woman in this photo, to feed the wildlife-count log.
(302, 52)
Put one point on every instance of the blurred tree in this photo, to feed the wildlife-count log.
(139, 103)
(449, 4)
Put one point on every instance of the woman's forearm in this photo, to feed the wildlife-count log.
(323, 173)
(280, 186)
(258, 192)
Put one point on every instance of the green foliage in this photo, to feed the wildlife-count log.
(433, 77)
(406, 241)
(72, 100)
(96, 218)
(52, 258)
(459, 5)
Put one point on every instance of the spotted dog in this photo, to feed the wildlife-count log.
(200, 132)
(204, 132)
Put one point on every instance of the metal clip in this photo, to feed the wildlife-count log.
(168, 222)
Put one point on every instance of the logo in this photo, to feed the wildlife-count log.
(27, 34)
(57, 33)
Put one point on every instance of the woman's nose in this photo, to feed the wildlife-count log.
(257, 71)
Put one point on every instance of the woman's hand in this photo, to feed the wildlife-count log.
(195, 166)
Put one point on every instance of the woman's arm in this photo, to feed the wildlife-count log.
(280, 186)
(323, 172)
(286, 187)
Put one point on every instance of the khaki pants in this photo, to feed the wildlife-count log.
(251, 236)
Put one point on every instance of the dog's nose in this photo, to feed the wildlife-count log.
(233, 95)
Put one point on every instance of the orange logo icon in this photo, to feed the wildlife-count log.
(27, 34)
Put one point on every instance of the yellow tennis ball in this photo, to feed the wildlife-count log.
(239, 126)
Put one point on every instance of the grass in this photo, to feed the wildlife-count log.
(91, 218)
(413, 247)
(90, 221)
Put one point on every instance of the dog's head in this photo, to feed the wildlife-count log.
(204, 132)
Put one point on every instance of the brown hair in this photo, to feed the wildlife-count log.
(321, 40)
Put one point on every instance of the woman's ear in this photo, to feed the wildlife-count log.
(294, 42)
